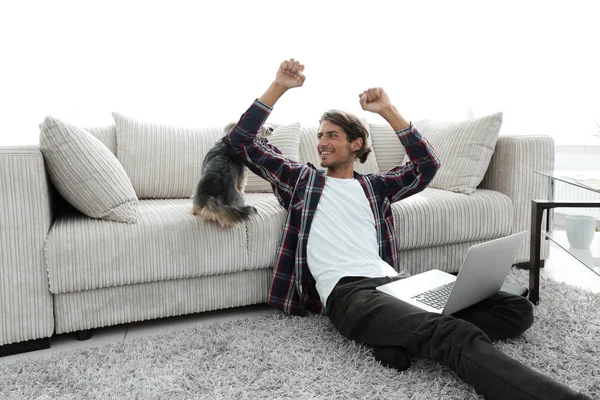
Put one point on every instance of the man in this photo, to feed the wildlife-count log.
(339, 244)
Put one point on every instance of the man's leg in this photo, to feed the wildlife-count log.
(362, 313)
(501, 316)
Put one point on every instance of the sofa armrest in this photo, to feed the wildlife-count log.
(26, 308)
(511, 171)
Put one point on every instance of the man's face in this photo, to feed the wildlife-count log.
(333, 147)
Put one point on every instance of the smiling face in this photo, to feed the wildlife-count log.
(337, 154)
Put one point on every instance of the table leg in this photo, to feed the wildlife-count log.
(537, 212)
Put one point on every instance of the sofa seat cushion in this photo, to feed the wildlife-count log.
(436, 217)
(167, 242)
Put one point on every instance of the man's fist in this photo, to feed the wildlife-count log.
(374, 100)
(290, 74)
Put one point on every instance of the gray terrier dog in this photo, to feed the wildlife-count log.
(219, 194)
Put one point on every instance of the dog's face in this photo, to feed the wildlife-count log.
(264, 132)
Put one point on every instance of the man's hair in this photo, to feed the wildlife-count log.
(354, 128)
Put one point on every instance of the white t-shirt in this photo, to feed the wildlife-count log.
(343, 239)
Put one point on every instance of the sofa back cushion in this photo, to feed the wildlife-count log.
(309, 153)
(386, 144)
(107, 135)
(163, 162)
(286, 138)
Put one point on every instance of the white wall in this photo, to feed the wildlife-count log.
(194, 63)
(578, 160)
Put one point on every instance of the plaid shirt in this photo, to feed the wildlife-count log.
(298, 188)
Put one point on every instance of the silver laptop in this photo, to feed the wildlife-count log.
(481, 275)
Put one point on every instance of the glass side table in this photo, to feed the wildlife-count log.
(587, 180)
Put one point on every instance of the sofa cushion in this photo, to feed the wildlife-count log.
(465, 149)
(286, 138)
(388, 147)
(107, 135)
(86, 173)
(168, 242)
(163, 162)
(437, 217)
(309, 153)
(448, 257)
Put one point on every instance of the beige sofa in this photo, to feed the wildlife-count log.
(62, 271)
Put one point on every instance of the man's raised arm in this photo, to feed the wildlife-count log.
(289, 75)
(403, 180)
(260, 157)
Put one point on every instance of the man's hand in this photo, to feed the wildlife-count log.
(377, 101)
(374, 100)
(290, 74)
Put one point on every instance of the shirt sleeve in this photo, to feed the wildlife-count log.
(414, 176)
(262, 158)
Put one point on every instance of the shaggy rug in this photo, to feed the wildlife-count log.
(279, 356)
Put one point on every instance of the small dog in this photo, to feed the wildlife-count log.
(219, 194)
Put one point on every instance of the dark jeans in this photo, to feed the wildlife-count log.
(462, 341)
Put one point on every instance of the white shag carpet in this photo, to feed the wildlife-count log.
(283, 357)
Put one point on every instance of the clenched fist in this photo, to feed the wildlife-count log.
(290, 74)
(374, 100)
(377, 101)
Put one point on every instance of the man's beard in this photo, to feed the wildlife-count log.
(348, 160)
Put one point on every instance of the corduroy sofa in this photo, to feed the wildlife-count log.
(63, 271)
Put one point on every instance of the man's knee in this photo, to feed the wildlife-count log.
(451, 338)
(525, 315)
(457, 332)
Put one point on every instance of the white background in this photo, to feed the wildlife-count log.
(193, 63)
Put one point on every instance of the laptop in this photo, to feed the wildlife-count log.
(482, 274)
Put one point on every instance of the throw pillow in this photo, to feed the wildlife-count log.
(286, 138)
(163, 162)
(464, 148)
(86, 173)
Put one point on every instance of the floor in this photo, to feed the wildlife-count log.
(560, 266)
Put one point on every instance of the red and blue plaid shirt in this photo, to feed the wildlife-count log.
(298, 188)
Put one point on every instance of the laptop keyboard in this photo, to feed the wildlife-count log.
(436, 297)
